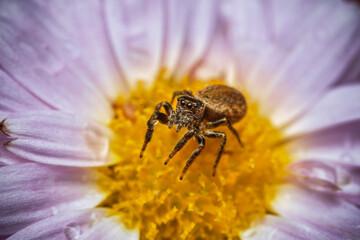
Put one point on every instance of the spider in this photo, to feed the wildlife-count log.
(209, 108)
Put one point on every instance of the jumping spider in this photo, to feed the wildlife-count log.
(210, 107)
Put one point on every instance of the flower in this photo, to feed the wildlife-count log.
(70, 77)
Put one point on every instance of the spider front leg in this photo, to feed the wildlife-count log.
(201, 141)
(214, 134)
(179, 93)
(180, 144)
(156, 116)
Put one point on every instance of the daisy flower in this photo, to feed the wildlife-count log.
(80, 79)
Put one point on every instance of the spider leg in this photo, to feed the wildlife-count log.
(214, 134)
(216, 123)
(234, 132)
(219, 122)
(201, 141)
(156, 116)
(178, 93)
(180, 144)
(167, 106)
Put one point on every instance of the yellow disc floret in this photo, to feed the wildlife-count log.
(150, 197)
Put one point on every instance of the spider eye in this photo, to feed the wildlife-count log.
(189, 105)
(183, 102)
(195, 105)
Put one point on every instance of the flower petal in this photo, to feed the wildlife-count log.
(69, 225)
(16, 98)
(31, 192)
(216, 62)
(43, 58)
(95, 52)
(339, 144)
(58, 138)
(8, 158)
(272, 227)
(109, 229)
(318, 208)
(342, 180)
(198, 22)
(136, 32)
(338, 106)
(283, 45)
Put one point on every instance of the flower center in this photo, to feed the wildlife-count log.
(149, 195)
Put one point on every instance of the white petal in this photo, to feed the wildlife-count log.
(318, 208)
(339, 144)
(110, 229)
(136, 33)
(44, 59)
(30, 192)
(340, 105)
(68, 225)
(58, 138)
(292, 51)
(16, 98)
(279, 228)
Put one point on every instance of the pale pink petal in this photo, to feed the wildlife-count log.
(340, 105)
(136, 30)
(294, 50)
(110, 229)
(16, 98)
(279, 228)
(85, 24)
(30, 192)
(217, 61)
(336, 178)
(315, 175)
(41, 56)
(200, 22)
(323, 209)
(339, 144)
(68, 225)
(58, 138)
(8, 158)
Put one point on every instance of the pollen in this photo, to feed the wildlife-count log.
(148, 196)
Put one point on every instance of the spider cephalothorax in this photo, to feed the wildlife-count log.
(210, 107)
(189, 112)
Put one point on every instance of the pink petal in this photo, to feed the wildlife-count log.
(43, 57)
(85, 24)
(68, 225)
(316, 175)
(8, 158)
(198, 22)
(292, 50)
(272, 227)
(339, 179)
(318, 208)
(339, 144)
(136, 31)
(109, 229)
(340, 105)
(31, 192)
(16, 98)
(58, 138)
(217, 61)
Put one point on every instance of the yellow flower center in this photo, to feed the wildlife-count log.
(149, 195)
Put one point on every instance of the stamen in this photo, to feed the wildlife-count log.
(149, 195)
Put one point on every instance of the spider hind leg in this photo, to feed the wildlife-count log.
(214, 134)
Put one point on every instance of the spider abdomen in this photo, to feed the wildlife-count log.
(222, 101)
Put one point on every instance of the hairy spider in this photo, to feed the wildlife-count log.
(210, 107)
